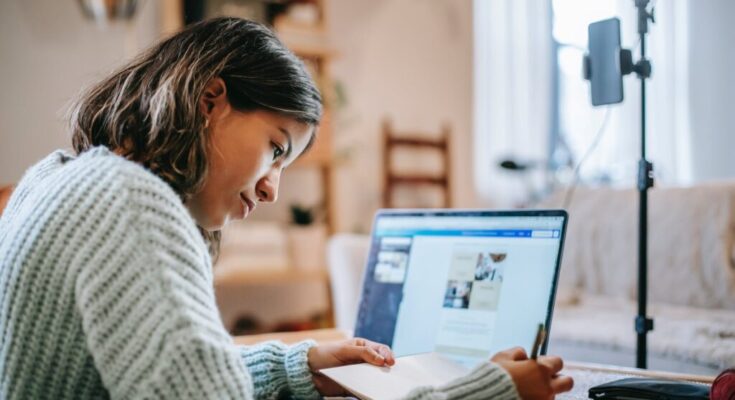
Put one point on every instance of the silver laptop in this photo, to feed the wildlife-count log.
(464, 283)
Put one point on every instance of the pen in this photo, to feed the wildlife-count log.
(540, 336)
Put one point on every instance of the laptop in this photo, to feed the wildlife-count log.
(462, 283)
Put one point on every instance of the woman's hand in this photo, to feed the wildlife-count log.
(534, 379)
(351, 351)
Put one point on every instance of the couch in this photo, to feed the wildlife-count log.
(691, 278)
(691, 289)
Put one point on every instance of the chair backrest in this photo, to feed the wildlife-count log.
(420, 175)
(5, 192)
(346, 258)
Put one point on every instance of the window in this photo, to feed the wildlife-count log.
(576, 123)
(532, 104)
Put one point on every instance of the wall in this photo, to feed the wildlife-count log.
(407, 59)
(48, 52)
(410, 60)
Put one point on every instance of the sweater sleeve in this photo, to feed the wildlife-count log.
(486, 381)
(145, 296)
(277, 369)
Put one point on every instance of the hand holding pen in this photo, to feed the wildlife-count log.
(537, 377)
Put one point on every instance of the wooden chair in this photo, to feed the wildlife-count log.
(415, 142)
(5, 192)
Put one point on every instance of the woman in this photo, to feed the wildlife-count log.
(105, 253)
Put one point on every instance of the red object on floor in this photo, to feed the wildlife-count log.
(723, 388)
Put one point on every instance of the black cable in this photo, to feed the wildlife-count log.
(587, 153)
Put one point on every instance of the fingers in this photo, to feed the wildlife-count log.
(353, 354)
(518, 354)
(381, 349)
(562, 384)
(553, 363)
(386, 352)
(513, 354)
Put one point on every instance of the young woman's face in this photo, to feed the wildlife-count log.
(247, 154)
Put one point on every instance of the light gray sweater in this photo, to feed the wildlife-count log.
(106, 292)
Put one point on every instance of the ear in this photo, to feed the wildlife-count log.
(214, 99)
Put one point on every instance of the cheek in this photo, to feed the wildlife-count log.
(242, 172)
(255, 164)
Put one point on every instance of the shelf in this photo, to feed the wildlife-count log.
(418, 142)
(307, 49)
(239, 278)
(252, 276)
(306, 40)
(417, 180)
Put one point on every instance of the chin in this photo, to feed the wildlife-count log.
(213, 228)
(214, 225)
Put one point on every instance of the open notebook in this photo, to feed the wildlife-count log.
(369, 382)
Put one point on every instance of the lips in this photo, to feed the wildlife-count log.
(248, 204)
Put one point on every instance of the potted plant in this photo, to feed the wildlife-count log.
(307, 239)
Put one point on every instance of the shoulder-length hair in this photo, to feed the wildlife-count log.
(148, 111)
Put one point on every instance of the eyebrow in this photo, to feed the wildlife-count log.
(289, 148)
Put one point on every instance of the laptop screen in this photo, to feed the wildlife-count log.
(462, 283)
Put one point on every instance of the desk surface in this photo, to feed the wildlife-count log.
(585, 375)
(320, 335)
(589, 375)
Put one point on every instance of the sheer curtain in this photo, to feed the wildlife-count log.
(614, 160)
(514, 110)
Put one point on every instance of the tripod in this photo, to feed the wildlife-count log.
(642, 68)
(609, 95)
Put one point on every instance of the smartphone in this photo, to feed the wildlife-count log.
(606, 78)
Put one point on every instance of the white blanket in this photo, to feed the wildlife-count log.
(701, 336)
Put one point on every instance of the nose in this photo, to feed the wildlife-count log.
(267, 187)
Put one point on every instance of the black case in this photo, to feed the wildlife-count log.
(649, 389)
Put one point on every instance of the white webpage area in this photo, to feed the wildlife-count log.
(468, 297)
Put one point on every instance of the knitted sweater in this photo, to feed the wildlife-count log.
(106, 292)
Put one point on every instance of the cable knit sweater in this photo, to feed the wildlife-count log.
(106, 292)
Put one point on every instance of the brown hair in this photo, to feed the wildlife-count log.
(148, 110)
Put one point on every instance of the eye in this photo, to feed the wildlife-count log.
(277, 150)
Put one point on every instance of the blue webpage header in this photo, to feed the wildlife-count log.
(520, 233)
